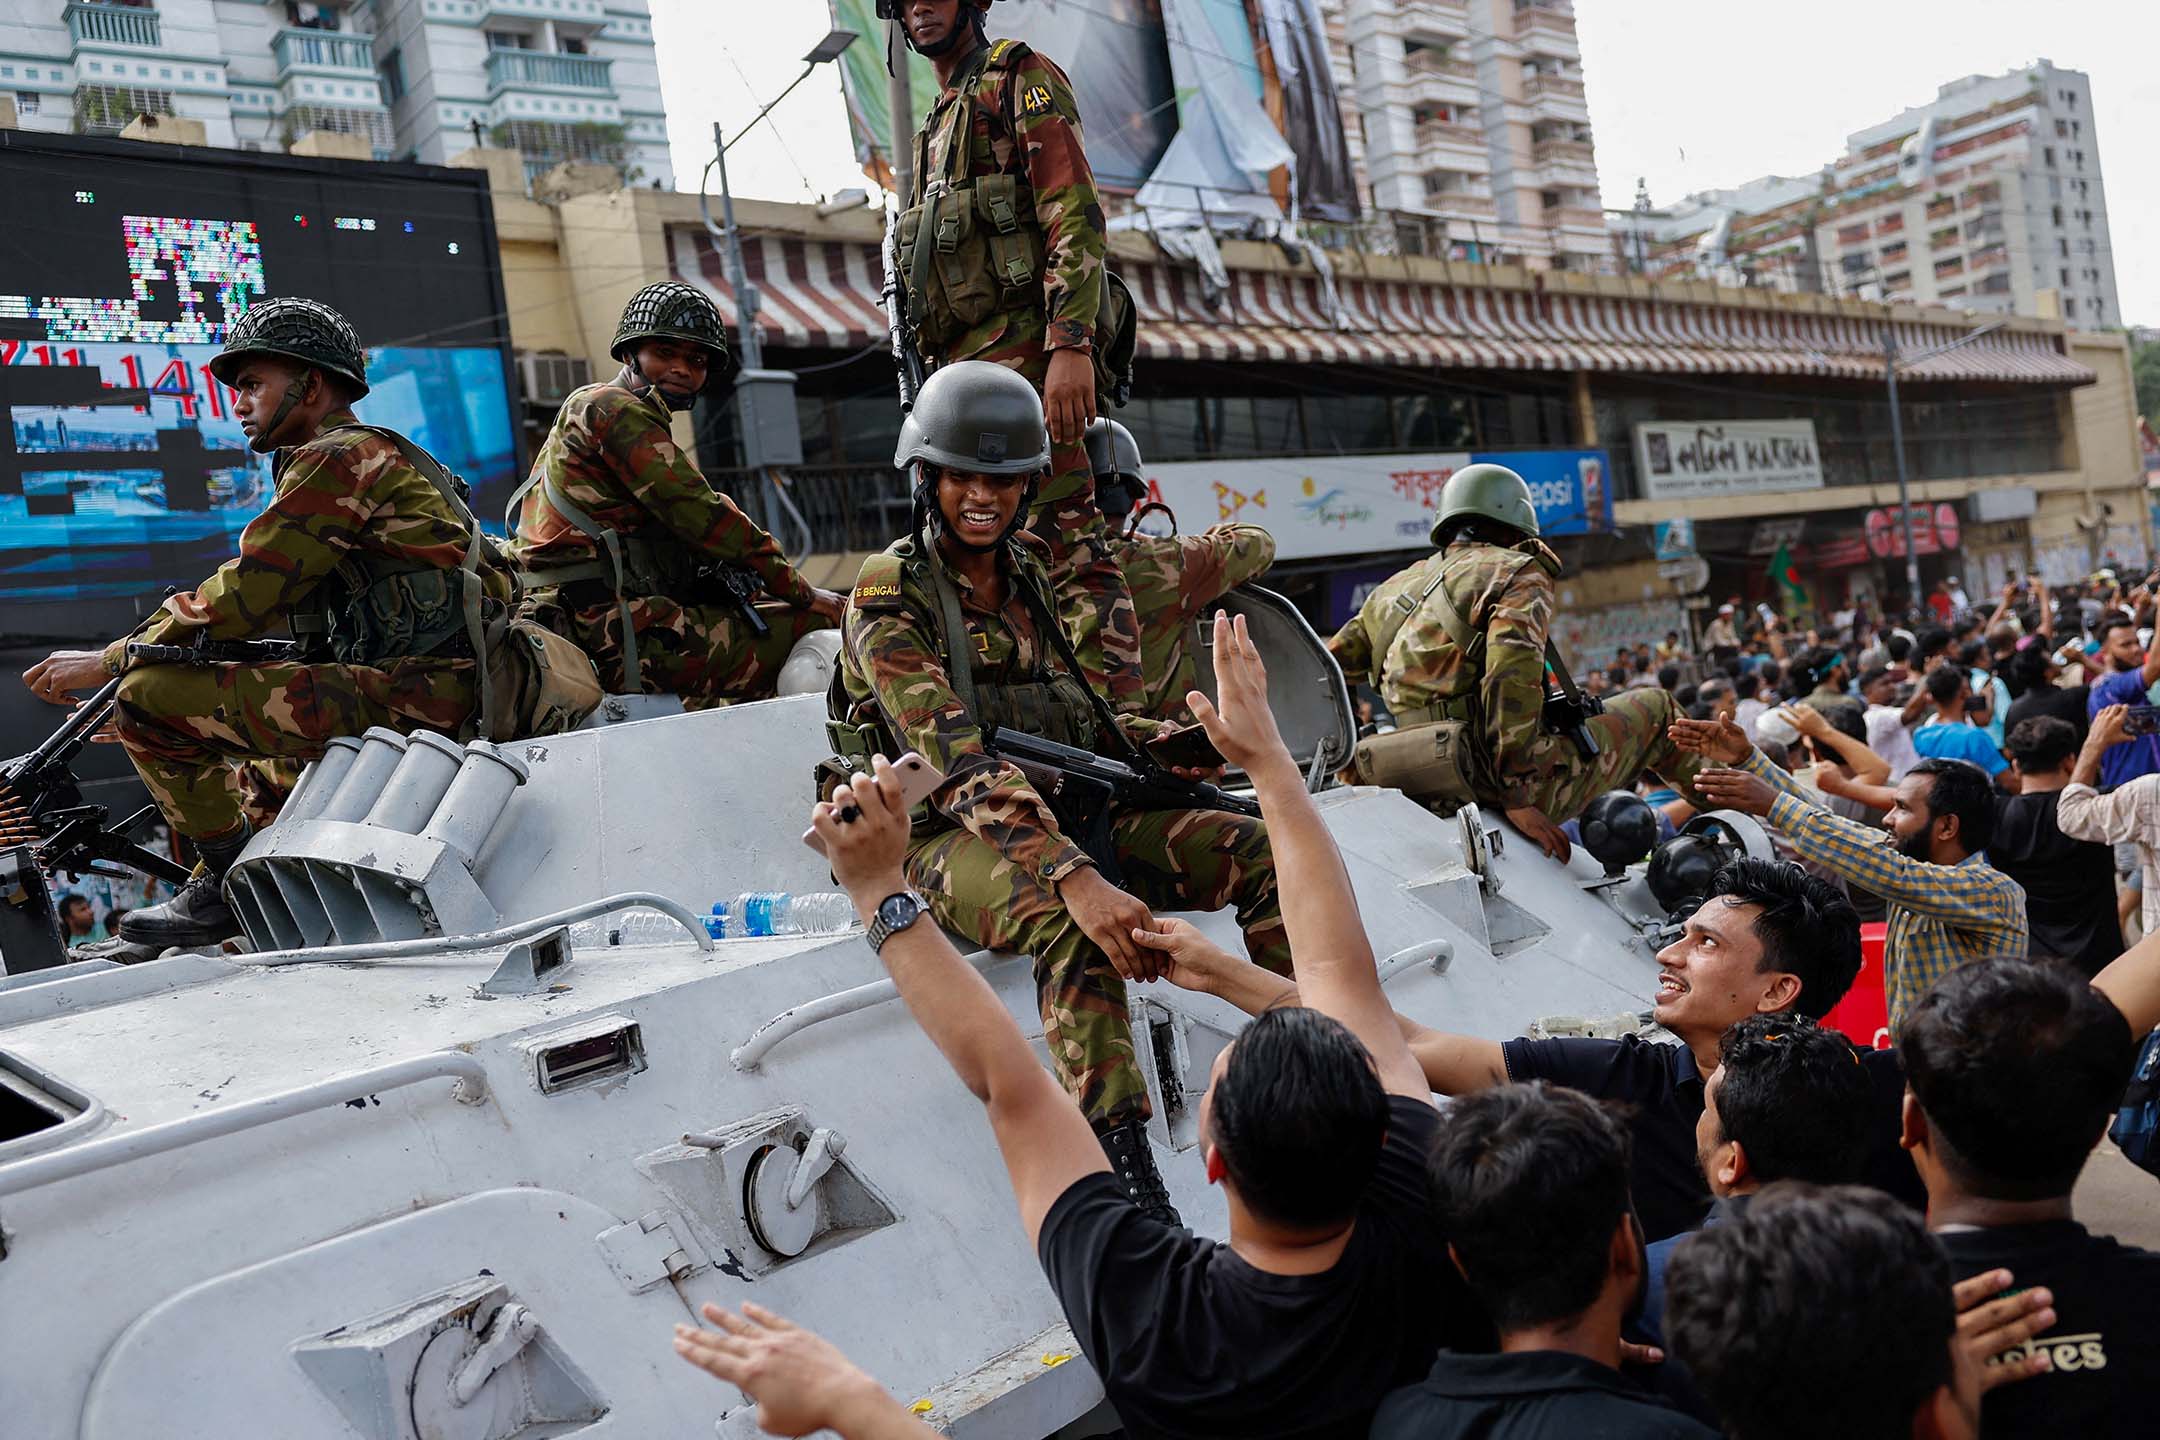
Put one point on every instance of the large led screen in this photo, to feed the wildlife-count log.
(122, 469)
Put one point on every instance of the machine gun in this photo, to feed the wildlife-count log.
(736, 585)
(1567, 711)
(41, 805)
(205, 651)
(906, 361)
(1083, 788)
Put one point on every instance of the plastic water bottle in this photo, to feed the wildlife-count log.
(628, 927)
(758, 913)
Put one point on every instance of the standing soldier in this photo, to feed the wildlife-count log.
(630, 552)
(1002, 254)
(950, 632)
(1458, 646)
(1173, 578)
(366, 551)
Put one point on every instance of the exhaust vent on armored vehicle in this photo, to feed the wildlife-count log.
(37, 1110)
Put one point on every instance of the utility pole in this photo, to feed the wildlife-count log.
(1891, 361)
(900, 100)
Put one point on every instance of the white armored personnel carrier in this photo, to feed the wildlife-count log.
(421, 1167)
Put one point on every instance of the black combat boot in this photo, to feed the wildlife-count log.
(1132, 1160)
(198, 915)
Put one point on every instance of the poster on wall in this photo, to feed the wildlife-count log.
(1686, 460)
(124, 468)
(1365, 504)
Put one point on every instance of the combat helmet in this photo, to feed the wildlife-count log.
(670, 310)
(1114, 456)
(304, 330)
(975, 416)
(1491, 492)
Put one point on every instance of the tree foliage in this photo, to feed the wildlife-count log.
(2145, 374)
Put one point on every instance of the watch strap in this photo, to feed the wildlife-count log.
(877, 932)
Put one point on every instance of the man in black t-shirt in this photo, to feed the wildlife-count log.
(1335, 1286)
(1530, 1184)
(2035, 670)
(2015, 1068)
(2069, 884)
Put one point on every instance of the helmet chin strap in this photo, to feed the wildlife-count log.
(969, 17)
(265, 439)
(640, 384)
(930, 518)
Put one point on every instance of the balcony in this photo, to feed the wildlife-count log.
(1446, 146)
(1445, 19)
(1578, 217)
(1555, 152)
(1551, 87)
(1543, 30)
(525, 69)
(1461, 203)
(585, 11)
(131, 25)
(324, 52)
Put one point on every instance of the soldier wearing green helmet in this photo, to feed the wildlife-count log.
(952, 631)
(620, 537)
(1459, 647)
(366, 553)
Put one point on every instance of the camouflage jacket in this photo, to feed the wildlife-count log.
(1505, 593)
(892, 661)
(611, 453)
(343, 494)
(1024, 120)
(1173, 578)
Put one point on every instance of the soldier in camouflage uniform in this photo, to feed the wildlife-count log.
(1012, 272)
(1173, 578)
(990, 855)
(365, 553)
(1497, 577)
(611, 482)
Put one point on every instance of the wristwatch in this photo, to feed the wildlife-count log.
(894, 913)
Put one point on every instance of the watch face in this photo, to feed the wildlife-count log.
(895, 911)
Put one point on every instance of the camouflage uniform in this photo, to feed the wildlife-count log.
(1508, 594)
(1023, 121)
(347, 495)
(612, 455)
(1174, 578)
(988, 853)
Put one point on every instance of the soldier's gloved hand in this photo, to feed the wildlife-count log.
(1108, 916)
(865, 829)
(64, 672)
(1069, 395)
(1191, 961)
(1721, 740)
(829, 604)
(1538, 829)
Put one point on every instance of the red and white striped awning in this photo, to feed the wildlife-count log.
(824, 294)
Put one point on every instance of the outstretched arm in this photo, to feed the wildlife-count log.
(2132, 981)
(799, 1380)
(1046, 1143)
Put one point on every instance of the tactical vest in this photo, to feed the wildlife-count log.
(1051, 703)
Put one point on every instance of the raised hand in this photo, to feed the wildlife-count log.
(1239, 720)
(1736, 790)
(800, 1380)
(1721, 739)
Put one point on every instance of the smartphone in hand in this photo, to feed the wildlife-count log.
(1188, 749)
(919, 780)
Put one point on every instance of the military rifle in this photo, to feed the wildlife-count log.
(1567, 712)
(41, 804)
(205, 651)
(1083, 789)
(737, 585)
(898, 324)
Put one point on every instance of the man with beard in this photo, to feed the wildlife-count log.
(1947, 905)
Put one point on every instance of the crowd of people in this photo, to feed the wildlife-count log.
(1760, 1231)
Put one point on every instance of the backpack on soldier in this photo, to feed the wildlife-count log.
(2136, 1131)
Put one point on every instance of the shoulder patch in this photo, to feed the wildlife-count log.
(1035, 100)
(878, 585)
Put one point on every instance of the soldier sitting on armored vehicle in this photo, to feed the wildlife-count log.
(1334, 1285)
(366, 552)
(950, 639)
(631, 553)
(1459, 646)
(1173, 578)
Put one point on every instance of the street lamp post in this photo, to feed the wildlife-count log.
(1891, 361)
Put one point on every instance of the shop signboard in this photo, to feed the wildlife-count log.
(1935, 528)
(1689, 460)
(1317, 506)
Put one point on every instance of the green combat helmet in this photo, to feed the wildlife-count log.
(1489, 492)
(671, 310)
(979, 417)
(1120, 481)
(304, 330)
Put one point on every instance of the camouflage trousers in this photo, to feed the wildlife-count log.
(199, 734)
(704, 653)
(1173, 860)
(1631, 739)
(1092, 597)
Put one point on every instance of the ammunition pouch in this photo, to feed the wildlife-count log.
(1436, 763)
(970, 252)
(366, 617)
(542, 683)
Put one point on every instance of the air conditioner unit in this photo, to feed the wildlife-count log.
(550, 377)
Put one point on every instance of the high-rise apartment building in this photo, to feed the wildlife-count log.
(1980, 199)
(557, 79)
(1470, 113)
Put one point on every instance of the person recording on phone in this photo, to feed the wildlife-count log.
(951, 638)
(2131, 672)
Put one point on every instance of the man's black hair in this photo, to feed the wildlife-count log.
(70, 900)
(1933, 641)
(1792, 1095)
(2041, 743)
(1846, 720)
(1807, 927)
(1771, 673)
(1746, 684)
(1642, 664)
(1816, 1311)
(2018, 1065)
(1298, 1117)
(1775, 752)
(1701, 710)
(1668, 676)
(2027, 669)
(1687, 695)
(1943, 684)
(1529, 1182)
(1716, 688)
(1617, 676)
(1963, 789)
(1899, 646)
(1871, 675)
(1973, 653)
(2114, 620)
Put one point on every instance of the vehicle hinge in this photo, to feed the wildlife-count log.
(651, 1250)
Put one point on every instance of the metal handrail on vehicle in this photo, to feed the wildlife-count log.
(132, 1145)
(796, 1019)
(486, 939)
